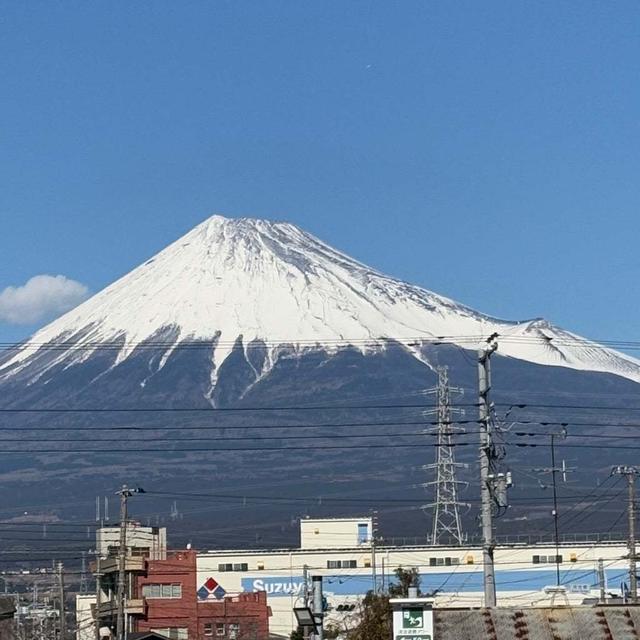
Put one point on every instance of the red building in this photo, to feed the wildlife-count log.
(171, 607)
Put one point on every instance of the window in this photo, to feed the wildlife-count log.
(162, 591)
(363, 533)
(220, 630)
(234, 630)
(469, 559)
(239, 566)
(208, 629)
(445, 562)
(342, 564)
(546, 559)
(573, 557)
(367, 563)
(260, 566)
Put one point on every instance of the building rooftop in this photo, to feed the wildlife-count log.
(557, 623)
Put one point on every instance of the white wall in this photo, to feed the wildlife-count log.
(332, 532)
(280, 573)
(84, 619)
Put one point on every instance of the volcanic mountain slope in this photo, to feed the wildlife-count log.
(250, 356)
(263, 291)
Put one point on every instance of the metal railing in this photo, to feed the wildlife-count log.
(526, 539)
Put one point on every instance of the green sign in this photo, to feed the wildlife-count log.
(413, 618)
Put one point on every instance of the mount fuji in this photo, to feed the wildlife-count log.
(241, 315)
(271, 290)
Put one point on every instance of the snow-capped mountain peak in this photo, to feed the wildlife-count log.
(247, 279)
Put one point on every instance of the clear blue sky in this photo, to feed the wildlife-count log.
(489, 151)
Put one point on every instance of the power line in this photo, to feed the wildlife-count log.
(349, 407)
(284, 342)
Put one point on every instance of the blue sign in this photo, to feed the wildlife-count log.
(460, 581)
(275, 586)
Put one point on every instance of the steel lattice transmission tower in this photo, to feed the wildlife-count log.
(446, 507)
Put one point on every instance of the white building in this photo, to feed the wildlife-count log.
(142, 542)
(341, 551)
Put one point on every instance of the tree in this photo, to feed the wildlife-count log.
(406, 578)
(375, 617)
(375, 622)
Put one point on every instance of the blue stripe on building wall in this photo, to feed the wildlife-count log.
(447, 582)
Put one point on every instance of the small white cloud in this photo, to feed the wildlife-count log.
(40, 297)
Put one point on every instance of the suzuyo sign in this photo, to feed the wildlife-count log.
(412, 618)
(279, 586)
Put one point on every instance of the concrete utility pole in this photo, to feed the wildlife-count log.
(307, 597)
(556, 536)
(601, 581)
(630, 473)
(63, 615)
(484, 386)
(125, 493)
(98, 617)
(318, 607)
(374, 535)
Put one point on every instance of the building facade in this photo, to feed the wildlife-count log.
(144, 544)
(250, 594)
(341, 551)
(174, 609)
(161, 594)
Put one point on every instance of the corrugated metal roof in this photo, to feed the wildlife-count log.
(558, 623)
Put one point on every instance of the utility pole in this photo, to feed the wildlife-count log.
(555, 508)
(630, 473)
(318, 607)
(98, 593)
(601, 581)
(374, 533)
(63, 618)
(446, 516)
(307, 597)
(486, 456)
(125, 493)
(553, 470)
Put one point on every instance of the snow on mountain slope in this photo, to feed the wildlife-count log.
(268, 281)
